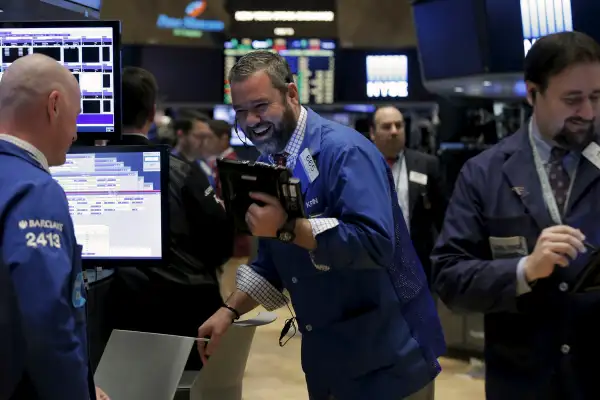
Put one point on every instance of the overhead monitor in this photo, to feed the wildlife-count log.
(90, 50)
(541, 18)
(89, 8)
(312, 62)
(118, 199)
(387, 76)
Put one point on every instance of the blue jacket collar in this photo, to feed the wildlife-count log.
(312, 135)
(11, 149)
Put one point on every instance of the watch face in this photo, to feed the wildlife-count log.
(285, 236)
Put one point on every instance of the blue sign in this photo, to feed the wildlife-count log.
(544, 17)
(190, 21)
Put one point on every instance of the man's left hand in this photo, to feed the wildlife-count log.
(100, 395)
(266, 220)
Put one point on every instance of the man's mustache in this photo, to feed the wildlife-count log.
(580, 121)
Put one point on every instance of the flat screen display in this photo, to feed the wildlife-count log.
(387, 76)
(116, 201)
(91, 53)
(312, 62)
(543, 17)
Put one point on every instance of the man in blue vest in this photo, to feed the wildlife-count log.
(368, 323)
(39, 105)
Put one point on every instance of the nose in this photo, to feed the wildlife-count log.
(252, 119)
(587, 110)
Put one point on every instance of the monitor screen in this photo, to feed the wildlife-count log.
(90, 50)
(117, 201)
(387, 76)
(311, 61)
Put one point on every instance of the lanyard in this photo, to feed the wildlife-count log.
(549, 199)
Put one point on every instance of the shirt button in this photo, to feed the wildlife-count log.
(565, 349)
(308, 328)
(294, 280)
(563, 287)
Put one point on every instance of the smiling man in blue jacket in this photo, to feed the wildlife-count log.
(368, 322)
(39, 105)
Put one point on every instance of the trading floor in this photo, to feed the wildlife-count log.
(274, 372)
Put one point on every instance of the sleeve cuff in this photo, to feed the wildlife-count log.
(320, 225)
(522, 286)
(259, 289)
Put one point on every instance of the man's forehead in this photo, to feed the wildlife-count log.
(256, 87)
(388, 114)
(580, 79)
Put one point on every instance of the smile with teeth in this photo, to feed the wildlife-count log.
(261, 130)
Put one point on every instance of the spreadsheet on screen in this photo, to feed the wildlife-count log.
(86, 52)
(115, 202)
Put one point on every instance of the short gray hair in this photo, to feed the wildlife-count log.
(273, 64)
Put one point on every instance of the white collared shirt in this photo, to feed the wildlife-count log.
(400, 173)
(33, 151)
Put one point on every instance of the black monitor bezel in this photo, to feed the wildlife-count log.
(117, 64)
(164, 193)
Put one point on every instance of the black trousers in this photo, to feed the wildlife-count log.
(99, 325)
(161, 306)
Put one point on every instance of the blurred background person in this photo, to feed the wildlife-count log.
(175, 299)
(191, 131)
(417, 180)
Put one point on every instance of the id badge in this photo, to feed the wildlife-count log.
(508, 247)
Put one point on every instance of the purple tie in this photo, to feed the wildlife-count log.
(280, 159)
(559, 179)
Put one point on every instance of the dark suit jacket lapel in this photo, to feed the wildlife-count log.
(587, 174)
(417, 164)
(519, 170)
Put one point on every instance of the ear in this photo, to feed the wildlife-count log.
(52, 107)
(532, 92)
(293, 92)
(372, 133)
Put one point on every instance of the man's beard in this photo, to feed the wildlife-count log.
(280, 135)
(576, 140)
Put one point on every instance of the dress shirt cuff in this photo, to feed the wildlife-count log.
(320, 225)
(522, 286)
(259, 289)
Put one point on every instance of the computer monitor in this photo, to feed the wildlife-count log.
(312, 62)
(387, 76)
(118, 199)
(91, 50)
(89, 8)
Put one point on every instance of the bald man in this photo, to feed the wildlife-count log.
(418, 182)
(39, 105)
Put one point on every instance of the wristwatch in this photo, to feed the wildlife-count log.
(286, 232)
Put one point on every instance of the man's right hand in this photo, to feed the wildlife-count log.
(213, 329)
(557, 245)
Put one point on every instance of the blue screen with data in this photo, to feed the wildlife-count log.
(115, 202)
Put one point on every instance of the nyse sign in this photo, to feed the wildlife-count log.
(387, 89)
(387, 75)
(544, 17)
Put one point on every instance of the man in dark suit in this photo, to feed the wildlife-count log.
(418, 182)
(515, 237)
(176, 299)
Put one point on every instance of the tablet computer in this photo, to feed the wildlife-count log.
(240, 178)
